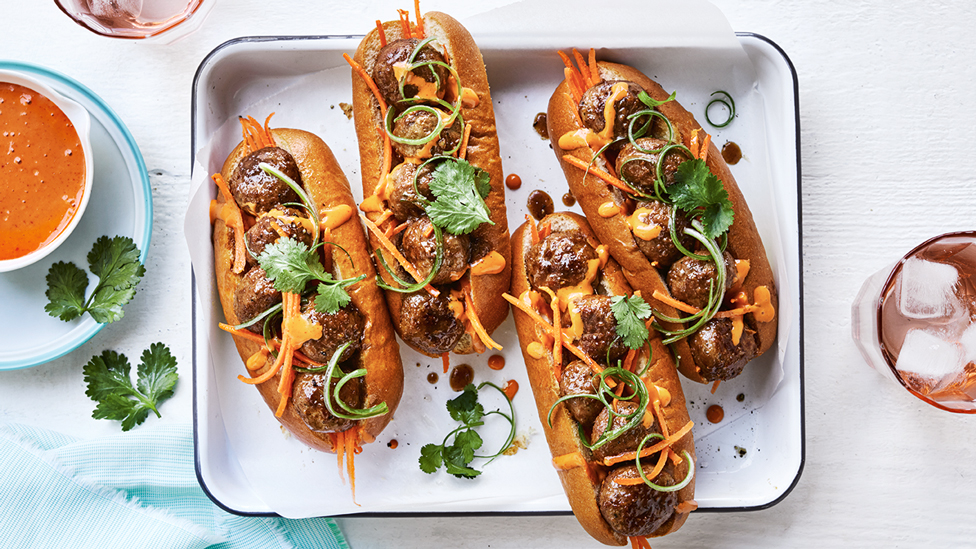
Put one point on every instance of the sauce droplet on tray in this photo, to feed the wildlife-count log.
(461, 376)
(731, 153)
(539, 204)
(715, 413)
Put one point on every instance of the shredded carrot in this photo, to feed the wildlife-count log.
(658, 467)
(660, 417)
(679, 305)
(661, 445)
(235, 222)
(382, 33)
(299, 356)
(594, 70)
(548, 327)
(338, 445)
(639, 542)
(629, 360)
(369, 83)
(573, 78)
(404, 22)
(383, 217)
(420, 21)
(699, 145)
(267, 131)
(463, 149)
(398, 229)
(534, 228)
(351, 443)
(446, 360)
(557, 344)
(605, 176)
(390, 247)
(686, 506)
(479, 329)
(568, 461)
(583, 68)
(715, 385)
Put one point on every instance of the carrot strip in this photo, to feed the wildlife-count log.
(421, 34)
(267, 131)
(404, 22)
(545, 324)
(557, 344)
(594, 70)
(573, 77)
(300, 356)
(534, 228)
(463, 149)
(573, 161)
(388, 244)
(338, 444)
(476, 323)
(715, 385)
(658, 467)
(661, 445)
(446, 361)
(686, 506)
(679, 305)
(382, 33)
(369, 82)
(235, 222)
(660, 417)
(350, 439)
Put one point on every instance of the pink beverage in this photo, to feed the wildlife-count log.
(137, 19)
(927, 321)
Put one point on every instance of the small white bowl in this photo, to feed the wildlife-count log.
(81, 120)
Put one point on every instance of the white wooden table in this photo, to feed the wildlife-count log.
(887, 105)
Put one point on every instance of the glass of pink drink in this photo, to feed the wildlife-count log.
(915, 321)
(160, 21)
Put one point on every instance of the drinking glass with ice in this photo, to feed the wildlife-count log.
(915, 321)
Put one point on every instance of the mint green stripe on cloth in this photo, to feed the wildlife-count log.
(135, 489)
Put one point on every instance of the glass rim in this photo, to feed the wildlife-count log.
(153, 34)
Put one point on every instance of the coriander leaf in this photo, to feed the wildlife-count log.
(697, 190)
(331, 297)
(455, 462)
(115, 261)
(430, 458)
(465, 408)
(459, 206)
(630, 313)
(467, 442)
(66, 285)
(157, 373)
(106, 303)
(290, 264)
(110, 386)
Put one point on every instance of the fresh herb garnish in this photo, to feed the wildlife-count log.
(651, 102)
(460, 190)
(291, 265)
(115, 261)
(457, 457)
(110, 386)
(698, 191)
(630, 313)
(729, 105)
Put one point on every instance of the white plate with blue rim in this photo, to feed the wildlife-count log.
(120, 204)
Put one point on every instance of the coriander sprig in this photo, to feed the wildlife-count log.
(115, 261)
(460, 190)
(290, 264)
(630, 314)
(109, 384)
(456, 458)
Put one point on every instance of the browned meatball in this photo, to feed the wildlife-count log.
(717, 357)
(427, 323)
(254, 295)
(419, 124)
(308, 396)
(661, 250)
(629, 439)
(347, 325)
(559, 260)
(403, 199)
(269, 229)
(591, 108)
(636, 510)
(419, 246)
(639, 168)
(255, 191)
(689, 279)
(599, 339)
(579, 379)
(399, 51)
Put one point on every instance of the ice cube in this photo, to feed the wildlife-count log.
(928, 290)
(930, 357)
(115, 8)
(968, 342)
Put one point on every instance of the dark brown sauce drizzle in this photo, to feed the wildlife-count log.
(731, 153)
(541, 125)
(540, 204)
(461, 376)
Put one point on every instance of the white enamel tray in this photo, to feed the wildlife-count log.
(750, 460)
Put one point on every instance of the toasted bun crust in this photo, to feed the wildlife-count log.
(482, 151)
(563, 436)
(744, 241)
(380, 355)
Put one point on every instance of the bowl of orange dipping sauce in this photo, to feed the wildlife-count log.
(45, 169)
